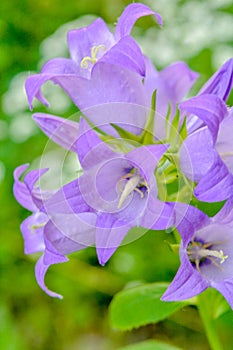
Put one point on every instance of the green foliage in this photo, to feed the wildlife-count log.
(135, 307)
(150, 345)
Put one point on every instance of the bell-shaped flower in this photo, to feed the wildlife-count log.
(89, 47)
(42, 231)
(206, 254)
(206, 154)
(119, 188)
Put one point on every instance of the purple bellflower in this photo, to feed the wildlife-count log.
(103, 68)
(120, 189)
(206, 258)
(42, 233)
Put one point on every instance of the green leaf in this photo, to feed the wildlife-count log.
(150, 345)
(136, 307)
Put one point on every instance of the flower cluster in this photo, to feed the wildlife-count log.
(148, 157)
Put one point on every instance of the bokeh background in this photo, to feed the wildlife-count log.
(31, 32)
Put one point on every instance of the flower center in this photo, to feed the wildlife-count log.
(198, 252)
(134, 183)
(93, 58)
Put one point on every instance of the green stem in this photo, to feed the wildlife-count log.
(208, 322)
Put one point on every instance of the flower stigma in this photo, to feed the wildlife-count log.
(134, 183)
(92, 59)
(198, 252)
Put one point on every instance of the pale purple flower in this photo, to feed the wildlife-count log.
(120, 189)
(96, 54)
(55, 235)
(206, 254)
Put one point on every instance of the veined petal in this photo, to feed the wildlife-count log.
(146, 158)
(130, 15)
(217, 184)
(126, 53)
(209, 108)
(226, 289)
(172, 85)
(33, 232)
(197, 154)
(220, 83)
(90, 148)
(157, 215)
(42, 267)
(52, 69)
(187, 283)
(68, 200)
(21, 191)
(62, 131)
(109, 234)
(71, 232)
(80, 41)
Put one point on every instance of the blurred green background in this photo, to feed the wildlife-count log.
(31, 32)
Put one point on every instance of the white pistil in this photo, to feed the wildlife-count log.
(205, 253)
(93, 58)
(130, 186)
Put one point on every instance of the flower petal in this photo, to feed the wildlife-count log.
(197, 154)
(41, 269)
(226, 289)
(67, 200)
(187, 283)
(81, 40)
(145, 158)
(217, 184)
(52, 69)
(126, 53)
(90, 148)
(130, 15)
(33, 232)
(21, 191)
(62, 131)
(171, 84)
(220, 83)
(71, 232)
(209, 108)
(109, 234)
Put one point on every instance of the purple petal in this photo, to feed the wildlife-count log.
(146, 158)
(224, 144)
(81, 40)
(69, 232)
(188, 219)
(126, 53)
(41, 269)
(33, 232)
(90, 148)
(209, 108)
(52, 69)
(226, 289)
(21, 191)
(62, 131)
(220, 83)
(67, 200)
(197, 154)
(157, 215)
(225, 215)
(217, 184)
(172, 85)
(109, 234)
(130, 15)
(187, 283)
